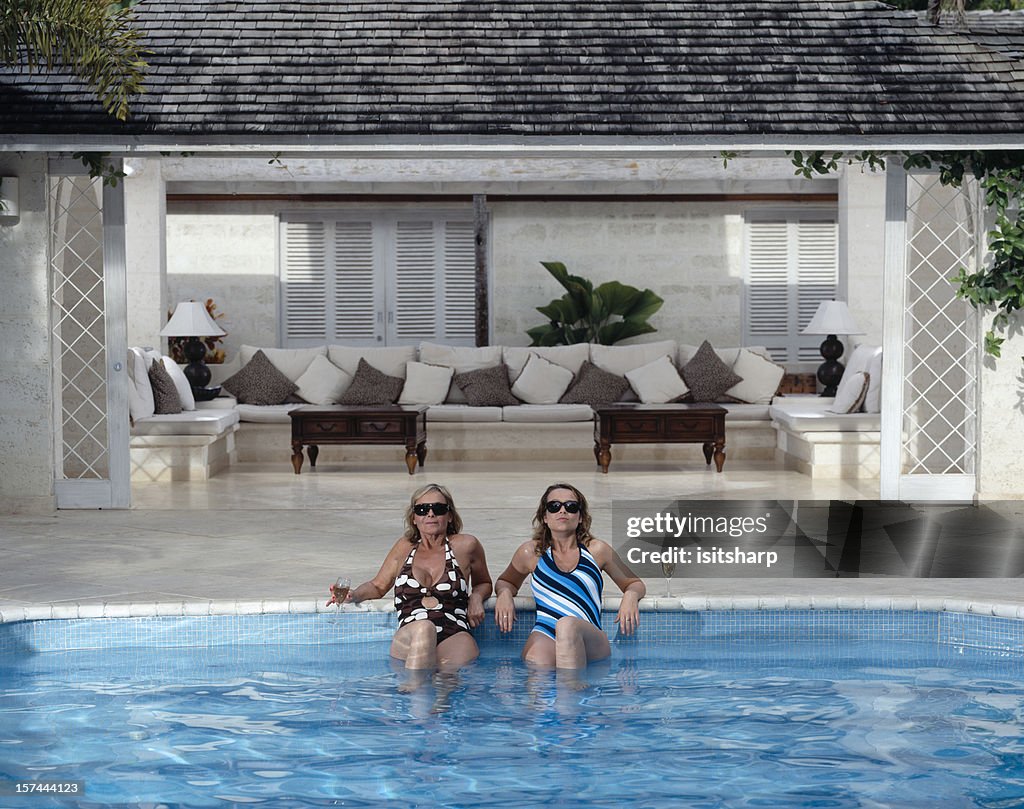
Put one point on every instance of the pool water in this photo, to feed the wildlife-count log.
(716, 723)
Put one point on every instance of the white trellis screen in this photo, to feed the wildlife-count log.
(930, 378)
(89, 343)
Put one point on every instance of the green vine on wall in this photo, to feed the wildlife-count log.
(1000, 283)
(100, 165)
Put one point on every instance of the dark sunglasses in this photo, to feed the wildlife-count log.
(422, 509)
(554, 506)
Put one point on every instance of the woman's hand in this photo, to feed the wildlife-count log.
(505, 611)
(628, 618)
(475, 610)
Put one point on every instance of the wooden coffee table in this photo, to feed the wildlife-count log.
(660, 424)
(313, 425)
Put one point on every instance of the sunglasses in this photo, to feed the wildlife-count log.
(554, 506)
(423, 509)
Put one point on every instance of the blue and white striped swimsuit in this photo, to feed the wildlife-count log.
(576, 594)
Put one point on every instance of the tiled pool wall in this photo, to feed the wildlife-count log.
(360, 629)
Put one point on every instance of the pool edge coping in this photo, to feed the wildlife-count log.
(194, 608)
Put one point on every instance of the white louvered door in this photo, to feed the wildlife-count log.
(792, 264)
(389, 278)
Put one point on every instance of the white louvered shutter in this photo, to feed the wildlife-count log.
(358, 291)
(414, 312)
(792, 265)
(304, 274)
(459, 282)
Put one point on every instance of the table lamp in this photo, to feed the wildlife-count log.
(832, 318)
(190, 319)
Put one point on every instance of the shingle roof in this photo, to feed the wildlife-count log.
(999, 30)
(476, 68)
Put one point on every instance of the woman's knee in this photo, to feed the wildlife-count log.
(567, 626)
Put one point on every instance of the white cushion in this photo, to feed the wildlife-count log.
(739, 411)
(571, 357)
(198, 422)
(181, 383)
(462, 413)
(140, 391)
(542, 381)
(657, 382)
(860, 359)
(323, 382)
(761, 378)
(425, 383)
(292, 362)
(619, 359)
(388, 360)
(850, 393)
(546, 414)
(266, 414)
(462, 359)
(811, 414)
(873, 399)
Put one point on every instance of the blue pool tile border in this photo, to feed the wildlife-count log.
(361, 628)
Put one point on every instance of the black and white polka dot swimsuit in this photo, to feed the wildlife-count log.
(451, 593)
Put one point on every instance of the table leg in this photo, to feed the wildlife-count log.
(604, 455)
(410, 457)
(314, 453)
(709, 449)
(421, 452)
(719, 453)
(297, 456)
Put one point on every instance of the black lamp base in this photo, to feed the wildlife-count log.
(196, 372)
(830, 372)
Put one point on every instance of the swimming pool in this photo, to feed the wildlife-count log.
(725, 709)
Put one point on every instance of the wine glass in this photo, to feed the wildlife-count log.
(340, 590)
(668, 568)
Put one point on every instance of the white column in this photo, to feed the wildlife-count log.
(145, 203)
(893, 291)
(26, 395)
(862, 249)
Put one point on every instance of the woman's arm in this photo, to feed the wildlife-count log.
(479, 577)
(379, 585)
(524, 560)
(633, 588)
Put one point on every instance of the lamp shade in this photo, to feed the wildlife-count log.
(832, 317)
(190, 319)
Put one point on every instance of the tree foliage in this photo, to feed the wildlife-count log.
(969, 5)
(94, 39)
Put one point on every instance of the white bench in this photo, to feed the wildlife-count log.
(810, 440)
(192, 445)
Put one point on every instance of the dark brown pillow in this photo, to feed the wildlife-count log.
(165, 395)
(259, 382)
(707, 377)
(372, 387)
(487, 387)
(595, 386)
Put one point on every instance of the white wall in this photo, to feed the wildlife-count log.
(145, 251)
(862, 248)
(1001, 405)
(26, 400)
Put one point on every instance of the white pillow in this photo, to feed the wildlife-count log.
(292, 362)
(542, 381)
(873, 401)
(761, 378)
(851, 392)
(425, 383)
(323, 382)
(657, 382)
(181, 383)
(462, 359)
(571, 357)
(140, 392)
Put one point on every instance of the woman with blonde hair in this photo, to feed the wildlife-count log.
(437, 602)
(566, 562)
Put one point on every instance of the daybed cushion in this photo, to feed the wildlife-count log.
(486, 387)
(181, 383)
(425, 383)
(850, 393)
(541, 382)
(140, 391)
(657, 382)
(388, 360)
(195, 422)
(292, 362)
(266, 414)
(810, 414)
(546, 413)
(619, 359)
(741, 411)
(463, 359)
(868, 358)
(165, 393)
(594, 386)
(570, 357)
(462, 413)
(760, 378)
(727, 355)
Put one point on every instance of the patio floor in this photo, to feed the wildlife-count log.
(259, 532)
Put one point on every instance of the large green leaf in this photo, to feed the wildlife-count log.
(619, 298)
(562, 310)
(645, 305)
(538, 334)
(611, 333)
